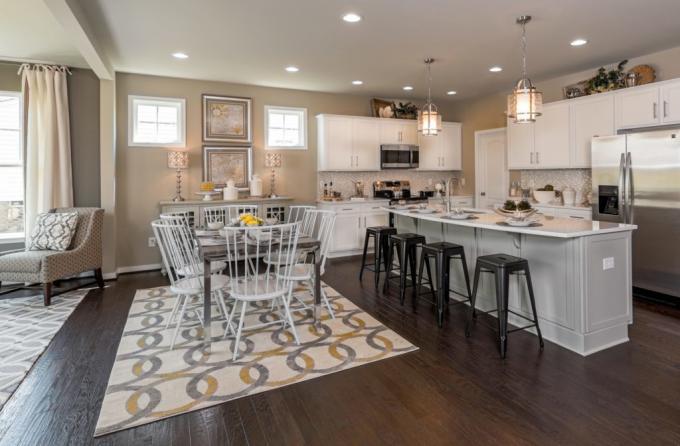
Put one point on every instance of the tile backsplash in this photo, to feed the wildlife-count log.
(577, 179)
(343, 181)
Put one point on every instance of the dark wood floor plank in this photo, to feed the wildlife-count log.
(453, 390)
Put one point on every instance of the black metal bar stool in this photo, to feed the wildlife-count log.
(380, 235)
(443, 252)
(502, 266)
(406, 246)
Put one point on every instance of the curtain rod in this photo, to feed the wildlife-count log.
(39, 67)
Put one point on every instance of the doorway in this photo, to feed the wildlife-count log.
(491, 168)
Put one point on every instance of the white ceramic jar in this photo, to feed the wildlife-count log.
(569, 196)
(230, 192)
(256, 186)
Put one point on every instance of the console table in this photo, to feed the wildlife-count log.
(267, 207)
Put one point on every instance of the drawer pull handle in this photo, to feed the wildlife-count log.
(578, 218)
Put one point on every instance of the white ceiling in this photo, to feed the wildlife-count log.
(251, 41)
(29, 32)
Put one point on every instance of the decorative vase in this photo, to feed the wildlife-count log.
(230, 192)
(256, 189)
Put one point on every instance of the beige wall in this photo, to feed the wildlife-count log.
(488, 112)
(9, 80)
(143, 178)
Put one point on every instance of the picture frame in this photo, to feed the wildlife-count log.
(220, 164)
(227, 119)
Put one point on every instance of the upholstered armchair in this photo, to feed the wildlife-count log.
(45, 267)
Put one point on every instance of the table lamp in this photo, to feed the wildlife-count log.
(273, 161)
(178, 161)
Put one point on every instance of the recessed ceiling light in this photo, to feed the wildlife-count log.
(180, 56)
(351, 17)
(357, 82)
(407, 88)
(451, 93)
(578, 42)
(495, 69)
(292, 69)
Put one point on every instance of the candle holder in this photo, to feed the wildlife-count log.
(178, 161)
(273, 161)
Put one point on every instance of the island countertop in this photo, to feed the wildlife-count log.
(550, 226)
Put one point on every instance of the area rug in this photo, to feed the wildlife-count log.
(26, 329)
(150, 382)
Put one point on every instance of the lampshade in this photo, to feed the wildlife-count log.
(178, 160)
(272, 160)
(525, 103)
(429, 120)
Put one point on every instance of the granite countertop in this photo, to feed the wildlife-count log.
(550, 226)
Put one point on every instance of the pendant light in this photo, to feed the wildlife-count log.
(429, 118)
(525, 103)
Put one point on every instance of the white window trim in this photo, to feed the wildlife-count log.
(303, 127)
(182, 124)
(17, 237)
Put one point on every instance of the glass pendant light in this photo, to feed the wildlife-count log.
(429, 118)
(525, 103)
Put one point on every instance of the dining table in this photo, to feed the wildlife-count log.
(212, 247)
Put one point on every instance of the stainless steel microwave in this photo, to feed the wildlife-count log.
(398, 156)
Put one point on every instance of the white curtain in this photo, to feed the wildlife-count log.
(49, 181)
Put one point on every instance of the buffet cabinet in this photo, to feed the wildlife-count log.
(351, 221)
(267, 208)
(561, 137)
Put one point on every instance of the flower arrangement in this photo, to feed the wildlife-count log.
(250, 220)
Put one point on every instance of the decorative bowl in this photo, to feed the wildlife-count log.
(516, 215)
(215, 225)
(544, 196)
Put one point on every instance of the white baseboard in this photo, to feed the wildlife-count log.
(132, 269)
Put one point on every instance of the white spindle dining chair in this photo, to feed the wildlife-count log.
(267, 281)
(216, 266)
(225, 214)
(297, 212)
(184, 269)
(304, 272)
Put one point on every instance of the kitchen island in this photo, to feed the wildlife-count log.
(581, 272)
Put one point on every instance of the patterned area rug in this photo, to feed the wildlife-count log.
(150, 382)
(26, 329)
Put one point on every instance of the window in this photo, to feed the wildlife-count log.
(156, 122)
(285, 127)
(11, 168)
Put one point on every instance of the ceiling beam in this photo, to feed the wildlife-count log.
(72, 19)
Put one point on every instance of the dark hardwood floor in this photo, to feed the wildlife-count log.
(452, 391)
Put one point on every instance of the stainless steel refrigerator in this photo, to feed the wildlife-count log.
(636, 179)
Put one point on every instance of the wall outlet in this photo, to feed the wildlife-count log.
(152, 242)
(607, 263)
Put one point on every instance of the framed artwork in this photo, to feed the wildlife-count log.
(221, 164)
(227, 119)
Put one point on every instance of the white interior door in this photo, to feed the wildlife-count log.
(491, 171)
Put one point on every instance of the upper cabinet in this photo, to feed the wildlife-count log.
(441, 152)
(637, 107)
(398, 131)
(520, 145)
(552, 137)
(590, 117)
(670, 103)
(348, 143)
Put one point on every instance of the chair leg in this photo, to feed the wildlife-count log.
(388, 265)
(501, 283)
(240, 329)
(363, 257)
(403, 269)
(472, 314)
(179, 321)
(420, 273)
(441, 289)
(99, 277)
(527, 277)
(289, 317)
(466, 274)
(173, 313)
(377, 260)
(413, 258)
(328, 304)
(229, 321)
(47, 294)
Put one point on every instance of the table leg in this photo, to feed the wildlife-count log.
(207, 306)
(317, 287)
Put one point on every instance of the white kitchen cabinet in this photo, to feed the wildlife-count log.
(670, 104)
(520, 145)
(637, 107)
(335, 143)
(398, 131)
(590, 117)
(552, 137)
(441, 152)
(575, 214)
(351, 222)
(348, 143)
(365, 144)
